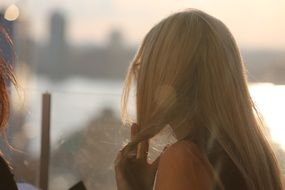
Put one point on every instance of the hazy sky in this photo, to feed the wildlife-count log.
(254, 23)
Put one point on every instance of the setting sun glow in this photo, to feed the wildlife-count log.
(270, 101)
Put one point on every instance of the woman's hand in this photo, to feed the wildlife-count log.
(134, 172)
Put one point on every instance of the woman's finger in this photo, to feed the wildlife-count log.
(134, 130)
(120, 159)
(143, 150)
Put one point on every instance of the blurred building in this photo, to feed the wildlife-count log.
(57, 39)
(59, 60)
(57, 31)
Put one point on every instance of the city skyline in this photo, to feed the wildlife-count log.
(253, 23)
(86, 82)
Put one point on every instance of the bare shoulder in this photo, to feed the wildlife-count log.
(184, 156)
(183, 166)
(182, 148)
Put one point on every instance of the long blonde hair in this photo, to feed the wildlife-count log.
(189, 69)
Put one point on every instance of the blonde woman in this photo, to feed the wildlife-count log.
(189, 74)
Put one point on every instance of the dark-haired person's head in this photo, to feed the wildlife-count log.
(6, 76)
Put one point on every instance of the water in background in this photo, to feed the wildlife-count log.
(76, 100)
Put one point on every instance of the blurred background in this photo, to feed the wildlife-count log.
(79, 51)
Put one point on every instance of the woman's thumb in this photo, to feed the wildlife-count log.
(134, 130)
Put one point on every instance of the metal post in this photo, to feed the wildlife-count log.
(45, 141)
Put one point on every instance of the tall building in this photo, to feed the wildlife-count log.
(57, 31)
(57, 48)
